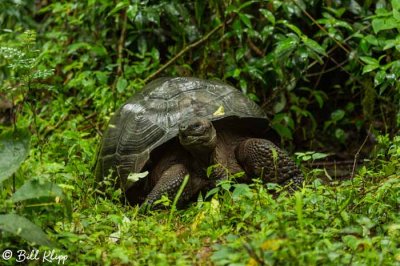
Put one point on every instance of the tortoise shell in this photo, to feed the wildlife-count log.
(152, 117)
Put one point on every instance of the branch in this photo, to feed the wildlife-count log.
(321, 27)
(254, 48)
(121, 43)
(358, 152)
(120, 50)
(185, 50)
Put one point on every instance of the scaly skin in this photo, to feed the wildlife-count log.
(262, 158)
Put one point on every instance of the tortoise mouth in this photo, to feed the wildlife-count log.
(198, 139)
(198, 132)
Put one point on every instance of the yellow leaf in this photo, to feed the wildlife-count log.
(220, 111)
(252, 262)
(214, 210)
(272, 244)
(197, 220)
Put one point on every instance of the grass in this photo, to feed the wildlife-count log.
(351, 223)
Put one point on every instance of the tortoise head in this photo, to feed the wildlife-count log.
(198, 135)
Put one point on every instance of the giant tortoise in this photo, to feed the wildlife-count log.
(181, 126)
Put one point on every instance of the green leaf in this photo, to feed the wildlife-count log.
(199, 9)
(121, 84)
(313, 45)
(371, 39)
(118, 7)
(34, 189)
(340, 135)
(286, 46)
(294, 28)
(243, 85)
(380, 24)
(337, 115)
(372, 64)
(283, 131)
(226, 186)
(246, 4)
(246, 20)
(132, 11)
(20, 226)
(241, 190)
(355, 7)
(212, 192)
(268, 15)
(369, 68)
(379, 78)
(240, 53)
(319, 155)
(14, 148)
(319, 97)
(369, 60)
(392, 43)
(299, 207)
(396, 9)
(351, 241)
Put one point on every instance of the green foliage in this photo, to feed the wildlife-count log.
(16, 14)
(14, 147)
(310, 155)
(23, 64)
(21, 226)
(324, 71)
(354, 221)
(23, 75)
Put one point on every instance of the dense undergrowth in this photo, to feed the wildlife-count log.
(327, 73)
(348, 222)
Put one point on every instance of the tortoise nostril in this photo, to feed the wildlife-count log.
(183, 127)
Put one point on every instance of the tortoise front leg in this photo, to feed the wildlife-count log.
(262, 158)
(169, 183)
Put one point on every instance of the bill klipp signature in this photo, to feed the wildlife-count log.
(35, 255)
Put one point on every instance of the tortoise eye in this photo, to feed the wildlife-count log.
(197, 126)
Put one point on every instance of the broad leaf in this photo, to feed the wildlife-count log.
(379, 78)
(319, 155)
(246, 20)
(14, 147)
(268, 15)
(337, 115)
(283, 131)
(121, 84)
(313, 45)
(241, 190)
(20, 226)
(134, 177)
(369, 60)
(369, 68)
(34, 189)
(396, 9)
(286, 46)
(380, 24)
